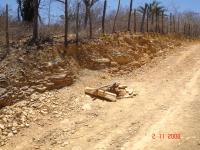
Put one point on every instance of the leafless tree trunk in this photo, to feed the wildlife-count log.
(35, 21)
(152, 22)
(162, 22)
(174, 24)
(90, 22)
(19, 10)
(143, 18)
(184, 29)
(178, 26)
(18, 14)
(159, 22)
(147, 19)
(130, 13)
(87, 12)
(104, 15)
(66, 23)
(6, 29)
(170, 23)
(189, 29)
(114, 26)
(77, 23)
(167, 24)
(49, 13)
(135, 20)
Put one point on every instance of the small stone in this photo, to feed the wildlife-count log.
(36, 147)
(2, 126)
(55, 112)
(53, 142)
(10, 134)
(44, 112)
(15, 131)
(64, 144)
(27, 124)
(86, 107)
(3, 138)
(113, 64)
(22, 125)
(42, 98)
(5, 133)
(15, 124)
(130, 91)
(3, 143)
(5, 120)
(9, 125)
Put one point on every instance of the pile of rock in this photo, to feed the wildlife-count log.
(17, 90)
(18, 116)
(4, 83)
(11, 120)
(2, 53)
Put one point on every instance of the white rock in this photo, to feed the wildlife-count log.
(64, 144)
(15, 131)
(27, 125)
(2, 126)
(86, 107)
(10, 134)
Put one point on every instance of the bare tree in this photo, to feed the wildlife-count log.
(162, 21)
(103, 18)
(170, 23)
(114, 25)
(35, 20)
(6, 29)
(129, 16)
(157, 20)
(66, 23)
(148, 10)
(49, 12)
(135, 20)
(88, 6)
(77, 22)
(19, 9)
(174, 24)
(178, 26)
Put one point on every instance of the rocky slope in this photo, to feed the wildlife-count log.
(29, 72)
(47, 66)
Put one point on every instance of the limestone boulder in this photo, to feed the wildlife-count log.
(4, 82)
(59, 80)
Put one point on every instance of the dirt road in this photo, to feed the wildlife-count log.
(168, 102)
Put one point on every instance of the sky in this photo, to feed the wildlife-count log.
(171, 5)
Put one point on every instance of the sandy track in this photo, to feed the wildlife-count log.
(168, 103)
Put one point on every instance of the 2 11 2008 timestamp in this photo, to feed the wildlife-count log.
(173, 136)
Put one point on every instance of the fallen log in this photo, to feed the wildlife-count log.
(101, 93)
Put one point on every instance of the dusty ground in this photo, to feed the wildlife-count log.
(168, 102)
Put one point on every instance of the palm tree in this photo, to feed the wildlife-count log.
(143, 10)
(155, 10)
